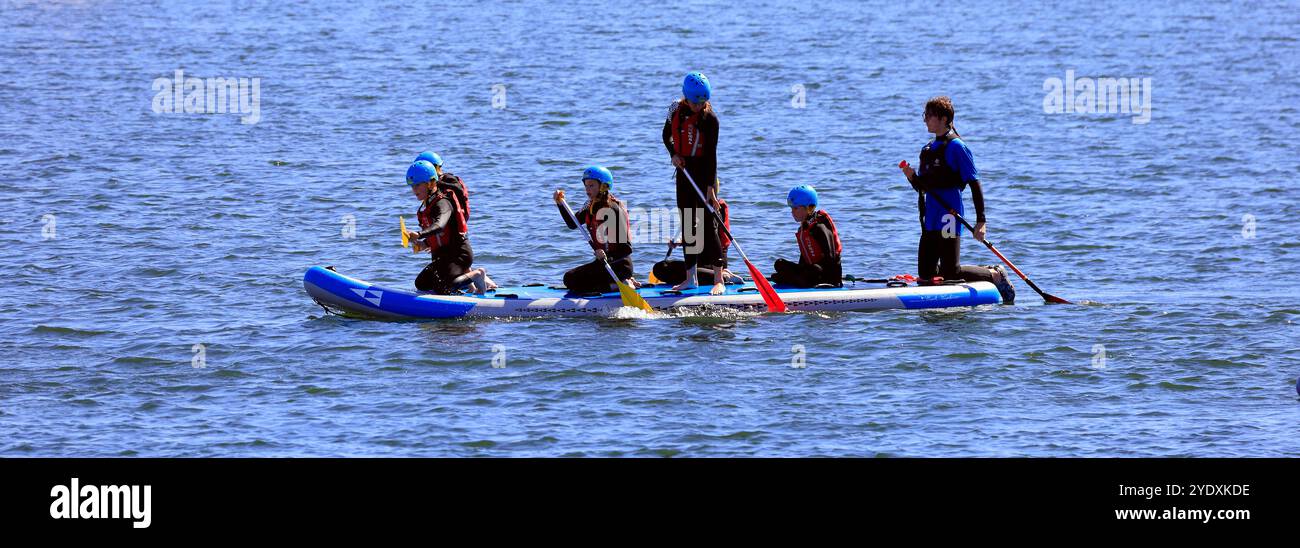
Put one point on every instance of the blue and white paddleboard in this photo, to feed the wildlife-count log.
(354, 297)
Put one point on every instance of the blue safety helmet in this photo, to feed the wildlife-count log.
(802, 196)
(431, 157)
(696, 88)
(420, 172)
(598, 173)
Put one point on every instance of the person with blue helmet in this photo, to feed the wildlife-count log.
(444, 233)
(606, 218)
(947, 168)
(820, 248)
(448, 179)
(691, 136)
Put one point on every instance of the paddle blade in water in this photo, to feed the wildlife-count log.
(774, 302)
(1048, 297)
(1054, 299)
(632, 298)
(406, 242)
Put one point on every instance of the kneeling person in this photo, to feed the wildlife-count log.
(819, 245)
(606, 218)
(444, 234)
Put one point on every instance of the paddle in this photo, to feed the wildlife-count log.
(406, 241)
(671, 244)
(1046, 296)
(774, 302)
(630, 296)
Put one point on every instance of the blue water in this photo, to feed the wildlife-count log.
(176, 230)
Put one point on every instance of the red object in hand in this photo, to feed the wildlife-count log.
(902, 164)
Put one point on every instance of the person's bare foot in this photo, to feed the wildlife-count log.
(718, 289)
(481, 281)
(689, 283)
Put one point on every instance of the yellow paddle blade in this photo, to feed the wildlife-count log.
(653, 279)
(406, 242)
(631, 298)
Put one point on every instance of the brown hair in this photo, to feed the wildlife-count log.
(604, 198)
(941, 106)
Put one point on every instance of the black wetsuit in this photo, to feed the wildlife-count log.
(592, 277)
(450, 261)
(937, 255)
(702, 162)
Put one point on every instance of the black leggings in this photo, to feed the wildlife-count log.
(940, 256)
(439, 276)
(674, 272)
(702, 224)
(592, 277)
(790, 273)
(794, 274)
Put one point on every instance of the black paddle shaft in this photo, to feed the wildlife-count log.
(951, 210)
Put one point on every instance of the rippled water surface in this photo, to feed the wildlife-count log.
(175, 230)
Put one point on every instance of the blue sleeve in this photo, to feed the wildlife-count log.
(961, 160)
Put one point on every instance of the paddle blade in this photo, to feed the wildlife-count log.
(632, 298)
(774, 302)
(653, 279)
(406, 242)
(1053, 299)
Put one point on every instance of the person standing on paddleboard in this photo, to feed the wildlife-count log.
(820, 248)
(947, 168)
(444, 233)
(606, 218)
(691, 136)
(674, 272)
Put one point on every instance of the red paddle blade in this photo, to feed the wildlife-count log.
(774, 302)
(1054, 299)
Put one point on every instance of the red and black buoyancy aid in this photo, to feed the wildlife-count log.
(601, 241)
(725, 212)
(808, 246)
(938, 173)
(686, 136)
(457, 187)
(456, 228)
